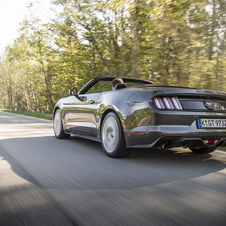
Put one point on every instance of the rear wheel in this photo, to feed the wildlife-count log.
(203, 150)
(58, 126)
(112, 137)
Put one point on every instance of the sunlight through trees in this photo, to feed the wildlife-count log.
(171, 42)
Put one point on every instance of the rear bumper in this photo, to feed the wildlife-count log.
(175, 136)
(185, 142)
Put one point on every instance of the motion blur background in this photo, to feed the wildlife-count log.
(65, 43)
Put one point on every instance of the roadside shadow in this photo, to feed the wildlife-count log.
(80, 164)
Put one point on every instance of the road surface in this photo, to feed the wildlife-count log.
(46, 181)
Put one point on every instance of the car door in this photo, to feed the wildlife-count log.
(81, 113)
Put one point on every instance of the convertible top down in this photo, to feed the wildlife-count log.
(139, 114)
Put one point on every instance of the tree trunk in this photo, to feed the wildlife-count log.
(135, 45)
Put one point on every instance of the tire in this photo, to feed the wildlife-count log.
(58, 126)
(203, 150)
(112, 137)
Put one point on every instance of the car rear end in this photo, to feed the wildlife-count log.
(179, 117)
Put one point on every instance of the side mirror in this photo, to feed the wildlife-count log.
(71, 93)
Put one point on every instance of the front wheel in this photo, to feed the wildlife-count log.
(58, 126)
(112, 137)
(203, 150)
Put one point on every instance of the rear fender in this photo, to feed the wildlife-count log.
(114, 109)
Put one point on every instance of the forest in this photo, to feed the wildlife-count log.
(171, 42)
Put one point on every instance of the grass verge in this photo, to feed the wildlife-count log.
(222, 148)
(29, 113)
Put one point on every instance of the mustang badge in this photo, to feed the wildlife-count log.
(209, 104)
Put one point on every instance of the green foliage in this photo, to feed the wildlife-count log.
(173, 42)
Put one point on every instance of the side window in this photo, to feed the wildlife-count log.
(101, 86)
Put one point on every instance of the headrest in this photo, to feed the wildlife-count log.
(120, 86)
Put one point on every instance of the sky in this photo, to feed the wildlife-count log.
(11, 13)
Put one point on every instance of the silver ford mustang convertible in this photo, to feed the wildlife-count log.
(138, 114)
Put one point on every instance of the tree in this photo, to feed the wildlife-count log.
(173, 42)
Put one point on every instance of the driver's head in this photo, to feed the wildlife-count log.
(116, 81)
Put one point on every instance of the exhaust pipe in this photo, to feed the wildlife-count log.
(165, 145)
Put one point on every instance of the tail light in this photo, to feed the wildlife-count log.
(176, 103)
(210, 141)
(159, 103)
(169, 103)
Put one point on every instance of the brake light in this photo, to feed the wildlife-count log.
(168, 103)
(157, 103)
(176, 103)
(171, 103)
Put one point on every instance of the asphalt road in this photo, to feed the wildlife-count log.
(46, 181)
